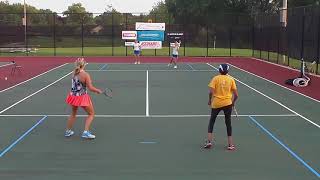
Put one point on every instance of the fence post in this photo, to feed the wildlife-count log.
(26, 34)
(126, 30)
(82, 32)
(185, 39)
(278, 48)
(230, 41)
(54, 34)
(207, 40)
(318, 44)
(260, 41)
(112, 34)
(167, 37)
(302, 37)
(253, 36)
(155, 20)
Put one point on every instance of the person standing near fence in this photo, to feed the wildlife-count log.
(175, 54)
(222, 96)
(137, 51)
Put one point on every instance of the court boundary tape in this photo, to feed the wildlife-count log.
(11, 87)
(8, 148)
(275, 83)
(270, 98)
(284, 146)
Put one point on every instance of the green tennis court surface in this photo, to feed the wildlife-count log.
(154, 128)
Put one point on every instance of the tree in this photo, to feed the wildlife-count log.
(77, 14)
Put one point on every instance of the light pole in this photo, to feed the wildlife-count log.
(284, 22)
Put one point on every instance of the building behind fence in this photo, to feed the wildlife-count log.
(260, 35)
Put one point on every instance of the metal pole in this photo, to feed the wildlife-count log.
(112, 34)
(207, 40)
(82, 43)
(318, 44)
(155, 20)
(126, 30)
(302, 38)
(230, 41)
(25, 25)
(284, 22)
(168, 38)
(54, 34)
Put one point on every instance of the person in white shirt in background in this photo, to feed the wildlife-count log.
(175, 54)
(137, 51)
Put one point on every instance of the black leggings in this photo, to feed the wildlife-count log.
(227, 114)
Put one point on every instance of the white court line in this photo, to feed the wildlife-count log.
(141, 70)
(273, 100)
(275, 83)
(193, 69)
(6, 65)
(151, 116)
(147, 94)
(18, 102)
(33, 78)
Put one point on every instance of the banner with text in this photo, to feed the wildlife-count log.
(151, 44)
(150, 35)
(129, 35)
(150, 26)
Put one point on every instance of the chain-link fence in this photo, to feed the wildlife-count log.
(259, 35)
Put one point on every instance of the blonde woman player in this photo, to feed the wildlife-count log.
(175, 54)
(78, 97)
(137, 51)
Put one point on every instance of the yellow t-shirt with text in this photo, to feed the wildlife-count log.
(223, 86)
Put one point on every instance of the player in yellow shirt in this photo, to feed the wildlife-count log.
(222, 96)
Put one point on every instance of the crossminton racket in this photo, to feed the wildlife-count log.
(236, 112)
(107, 92)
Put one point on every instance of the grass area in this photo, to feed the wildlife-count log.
(123, 51)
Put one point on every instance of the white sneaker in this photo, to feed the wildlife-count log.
(88, 135)
(68, 133)
(175, 67)
(169, 65)
(136, 62)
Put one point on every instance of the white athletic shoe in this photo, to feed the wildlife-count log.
(88, 135)
(175, 67)
(68, 133)
(136, 62)
(169, 65)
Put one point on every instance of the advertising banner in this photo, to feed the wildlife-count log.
(129, 43)
(151, 44)
(150, 26)
(175, 36)
(150, 36)
(129, 35)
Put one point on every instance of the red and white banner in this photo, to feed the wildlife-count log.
(150, 26)
(151, 44)
(132, 35)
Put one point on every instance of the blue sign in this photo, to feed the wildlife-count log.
(150, 35)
